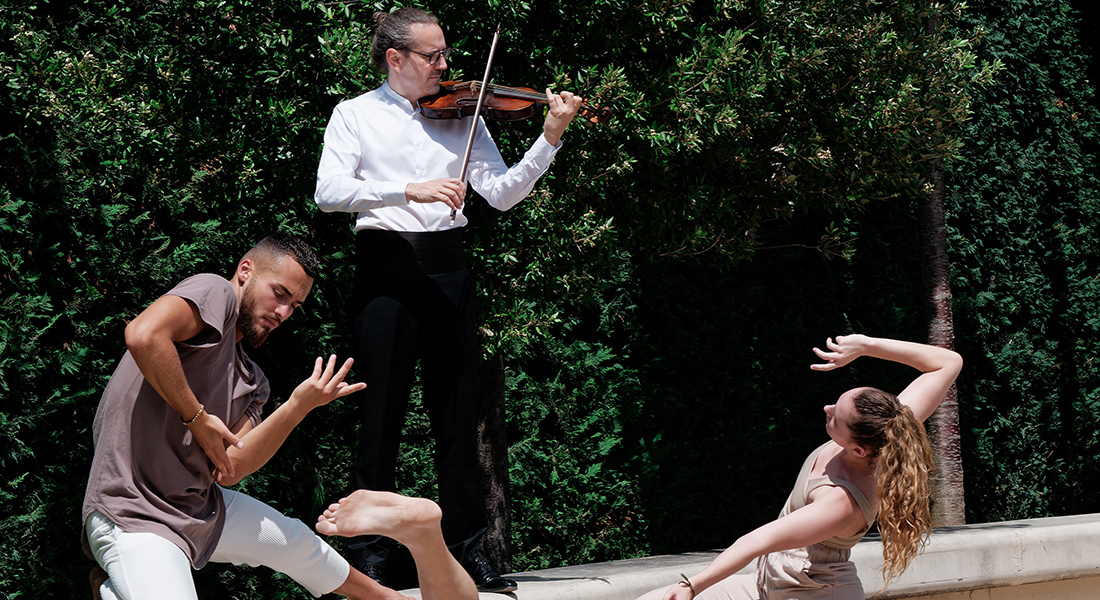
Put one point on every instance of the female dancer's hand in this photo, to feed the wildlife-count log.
(845, 349)
(679, 592)
(938, 366)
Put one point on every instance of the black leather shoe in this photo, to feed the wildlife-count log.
(485, 578)
(371, 555)
(377, 573)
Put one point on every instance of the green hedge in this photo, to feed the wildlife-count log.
(1025, 216)
(657, 391)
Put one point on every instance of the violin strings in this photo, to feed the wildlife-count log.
(515, 92)
(511, 91)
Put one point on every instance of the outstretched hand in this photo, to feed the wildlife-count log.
(678, 592)
(844, 350)
(325, 385)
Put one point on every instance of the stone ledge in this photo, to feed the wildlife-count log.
(1036, 554)
(991, 555)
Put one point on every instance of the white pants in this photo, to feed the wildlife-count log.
(144, 566)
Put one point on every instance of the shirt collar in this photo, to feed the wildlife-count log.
(394, 98)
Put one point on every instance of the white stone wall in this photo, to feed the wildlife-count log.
(1037, 559)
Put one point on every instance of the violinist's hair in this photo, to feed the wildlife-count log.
(899, 444)
(394, 30)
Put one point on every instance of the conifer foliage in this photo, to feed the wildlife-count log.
(1025, 219)
(145, 141)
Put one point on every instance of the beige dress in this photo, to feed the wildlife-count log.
(822, 571)
(819, 572)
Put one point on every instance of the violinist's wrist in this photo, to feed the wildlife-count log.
(552, 139)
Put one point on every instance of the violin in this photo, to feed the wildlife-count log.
(457, 99)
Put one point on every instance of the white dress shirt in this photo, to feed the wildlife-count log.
(378, 143)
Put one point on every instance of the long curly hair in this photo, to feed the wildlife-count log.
(903, 458)
(394, 30)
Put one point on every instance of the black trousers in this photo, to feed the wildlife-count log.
(430, 317)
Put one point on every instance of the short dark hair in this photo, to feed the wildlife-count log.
(394, 30)
(278, 245)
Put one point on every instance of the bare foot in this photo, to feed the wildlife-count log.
(365, 512)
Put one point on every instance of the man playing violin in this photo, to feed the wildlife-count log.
(413, 299)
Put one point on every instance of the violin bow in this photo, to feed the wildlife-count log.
(477, 113)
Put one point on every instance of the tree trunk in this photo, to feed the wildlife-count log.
(948, 503)
(492, 450)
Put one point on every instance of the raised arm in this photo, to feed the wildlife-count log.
(151, 339)
(502, 186)
(938, 366)
(563, 107)
(323, 386)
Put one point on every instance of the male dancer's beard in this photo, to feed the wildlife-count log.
(253, 332)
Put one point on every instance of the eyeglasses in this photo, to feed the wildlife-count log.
(433, 57)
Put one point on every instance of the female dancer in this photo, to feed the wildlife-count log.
(876, 464)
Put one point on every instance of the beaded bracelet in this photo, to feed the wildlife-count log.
(202, 409)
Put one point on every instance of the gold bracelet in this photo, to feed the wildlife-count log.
(684, 580)
(202, 409)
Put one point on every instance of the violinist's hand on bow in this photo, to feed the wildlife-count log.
(451, 191)
(563, 107)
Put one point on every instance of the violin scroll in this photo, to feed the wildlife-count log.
(596, 113)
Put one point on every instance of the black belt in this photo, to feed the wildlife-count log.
(384, 251)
